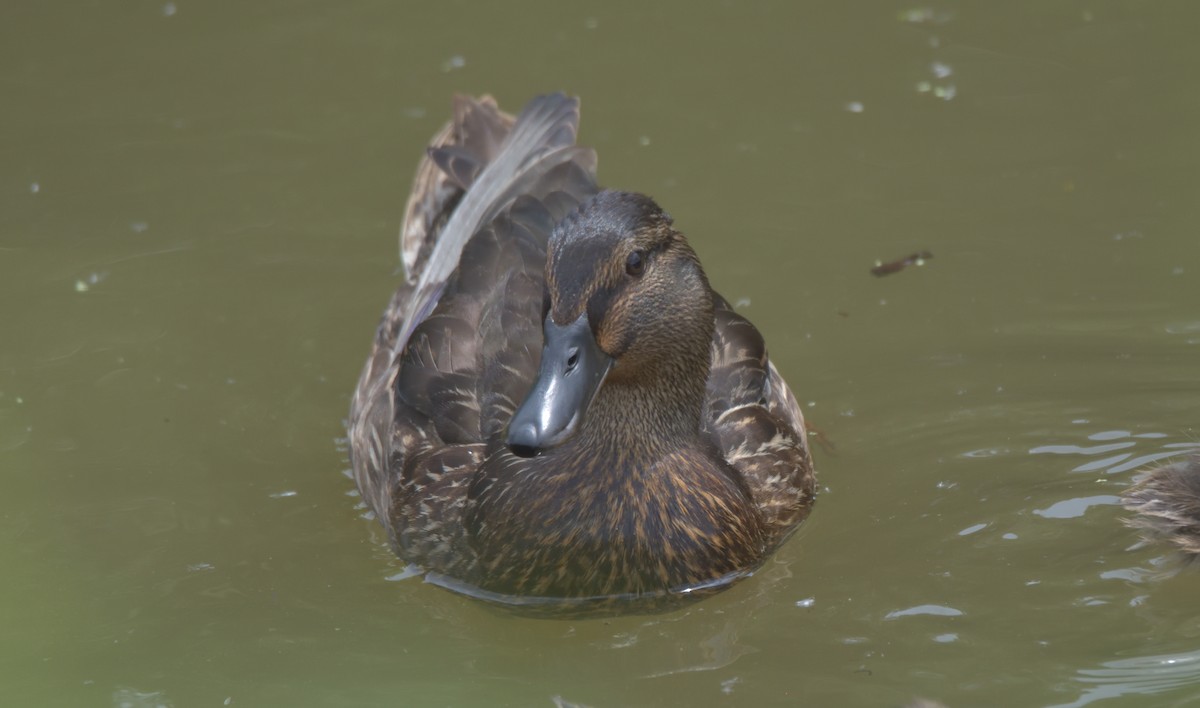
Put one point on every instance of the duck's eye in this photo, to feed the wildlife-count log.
(635, 263)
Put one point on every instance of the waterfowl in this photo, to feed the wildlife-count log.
(1166, 505)
(557, 407)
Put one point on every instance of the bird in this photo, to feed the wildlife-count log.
(1165, 501)
(558, 411)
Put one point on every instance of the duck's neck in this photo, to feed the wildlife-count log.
(655, 409)
(636, 418)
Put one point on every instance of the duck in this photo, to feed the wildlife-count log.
(557, 409)
(1165, 501)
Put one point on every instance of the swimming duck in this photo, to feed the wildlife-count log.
(557, 407)
(1166, 504)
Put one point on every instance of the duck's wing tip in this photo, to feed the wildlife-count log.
(547, 122)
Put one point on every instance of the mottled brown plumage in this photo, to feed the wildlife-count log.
(683, 469)
(1166, 505)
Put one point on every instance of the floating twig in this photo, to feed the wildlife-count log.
(917, 259)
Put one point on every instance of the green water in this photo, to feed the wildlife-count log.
(198, 215)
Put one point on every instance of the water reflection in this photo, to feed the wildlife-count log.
(1190, 330)
(1142, 675)
(1123, 440)
(935, 610)
(1072, 508)
(133, 698)
(716, 651)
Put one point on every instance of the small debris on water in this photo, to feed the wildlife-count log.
(946, 92)
(822, 440)
(938, 87)
(917, 259)
(85, 284)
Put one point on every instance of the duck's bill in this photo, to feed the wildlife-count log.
(572, 370)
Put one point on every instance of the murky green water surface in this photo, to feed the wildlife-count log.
(198, 216)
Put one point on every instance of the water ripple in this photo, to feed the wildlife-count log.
(1079, 450)
(1074, 508)
(936, 610)
(1143, 675)
(1114, 441)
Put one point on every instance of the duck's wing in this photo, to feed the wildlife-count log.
(470, 362)
(756, 423)
(459, 343)
(479, 127)
(542, 138)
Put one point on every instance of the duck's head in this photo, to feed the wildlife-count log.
(626, 305)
